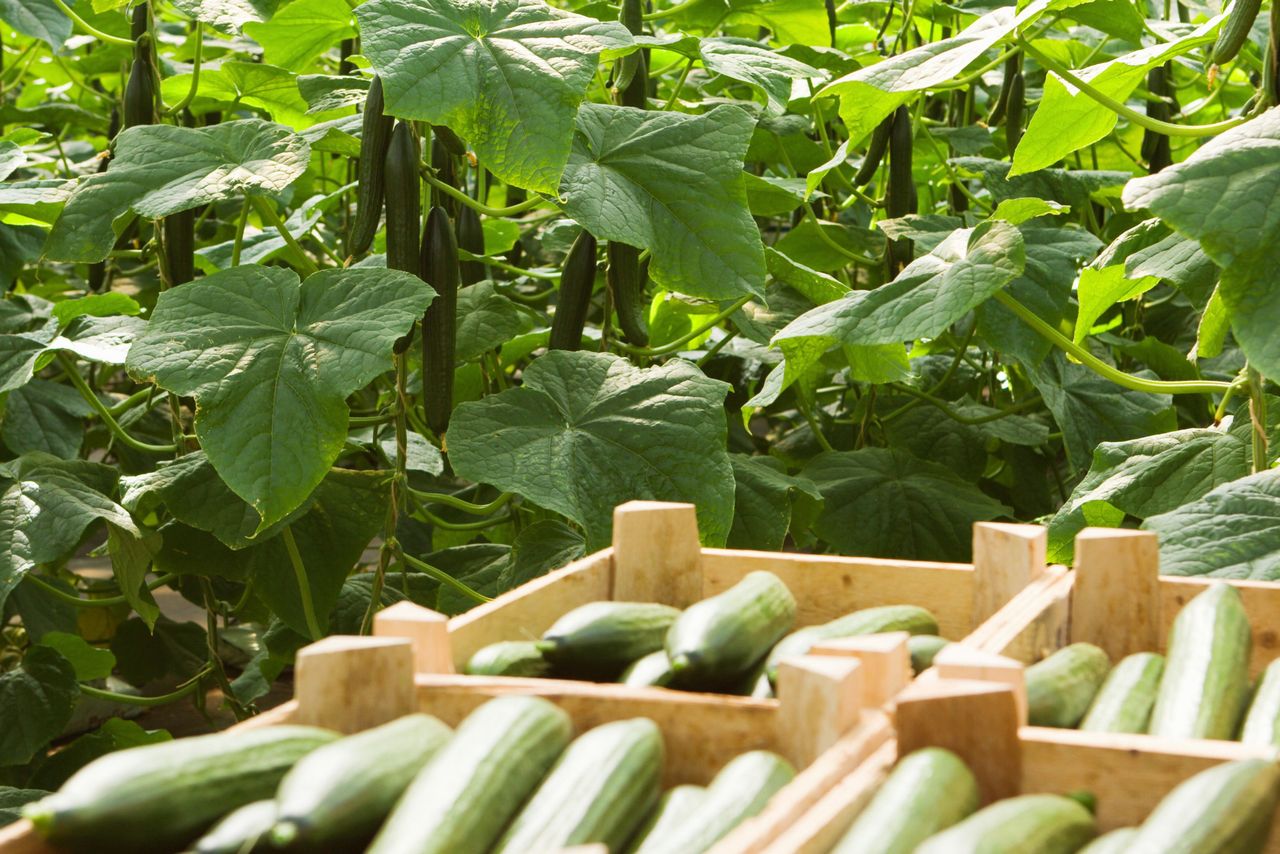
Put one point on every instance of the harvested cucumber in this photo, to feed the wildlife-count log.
(473, 786)
(923, 649)
(242, 831)
(163, 796)
(1206, 675)
(720, 638)
(1043, 824)
(868, 621)
(1125, 700)
(509, 658)
(1061, 688)
(336, 797)
(672, 812)
(599, 791)
(927, 792)
(1262, 723)
(599, 640)
(1224, 810)
(653, 669)
(1115, 842)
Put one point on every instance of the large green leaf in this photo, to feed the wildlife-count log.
(11, 158)
(1219, 196)
(36, 700)
(44, 416)
(1232, 532)
(40, 19)
(303, 30)
(160, 170)
(670, 183)
(765, 497)
(252, 84)
(270, 361)
(228, 15)
(1100, 289)
(588, 431)
(507, 75)
(885, 502)
(764, 69)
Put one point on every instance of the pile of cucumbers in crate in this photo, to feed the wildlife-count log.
(929, 805)
(510, 779)
(728, 643)
(1200, 690)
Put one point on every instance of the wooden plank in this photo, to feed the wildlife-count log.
(350, 683)
(1034, 624)
(1006, 558)
(529, 610)
(656, 553)
(1116, 602)
(827, 587)
(21, 838)
(819, 699)
(281, 714)
(885, 659)
(1261, 604)
(427, 632)
(959, 661)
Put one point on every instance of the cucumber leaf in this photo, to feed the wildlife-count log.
(302, 31)
(36, 700)
(228, 15)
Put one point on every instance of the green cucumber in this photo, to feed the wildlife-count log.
(868, 621)
(577, 283)
(1124, 702)
(242, 831)
(876, 148)
(599, 791)
(923, 650)
(1262, 722)
(1115, 842)
(600, 639)
(375, 136)
(671, 813)
(163, 796)
(1014, 111)
(625, 277)
(739, 791)
(470, 234)
(927, 792)
(179, 232)
(473, 786)
(653, 669)
(1235, 31)
(1043, 824)
(1224, 810)
(139, 92)
(720, 638)
(900, 187)
(1012, 67)
(1206, 675)
(403, 200)
(508, 658)
(452, 143)
(1061, 688)
(442, 164)
(438, 267)
(336, 797)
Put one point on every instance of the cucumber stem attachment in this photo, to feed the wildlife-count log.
(479, 207)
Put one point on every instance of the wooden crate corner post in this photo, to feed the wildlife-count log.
(349, 683)
(957, 661)
(427, 632)
(1115, 599)
(1006, 558)
(885, 659)
(657, 556)
(819, 700)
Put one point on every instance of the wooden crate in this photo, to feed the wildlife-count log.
(1129, 774)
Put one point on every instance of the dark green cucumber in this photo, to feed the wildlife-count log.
(1061, 688)
(1012, 67)
(671, 813)
(1155, 146)
(473, 786)
(927, 792)
(139, 91)
(336, 797)
(653, 669)
(242, 831)
(1015, 111)
(633, 79)
(1044, 824)
(140, 21)
(1206, 675)
(1125, 700)
(403, 200)
(720, 638)
(600, 639)
(509, 658)
(1224, 810)
(923, 650)
(442, 164)
(471, 238)
(625, 276)
(599, 791)
(1115, 842)
(450, 140)
(1235, 31)
(899, 196)
(739, 791)
(163, 796)
(868, 621)
(577, 282)
(375, 137)
(1262, 722)
(876, 148)
(439, 269)
(180, 246)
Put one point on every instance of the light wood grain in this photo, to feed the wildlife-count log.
(819, 699)
(21, 838)
(350, 684)
(1034, 624)
(885, 659)
(1116, 601)
(427, 632)
(1006, 558)
(960, 661)
(656, 553)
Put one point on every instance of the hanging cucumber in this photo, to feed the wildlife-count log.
(1235, 31)
(375, 136)
(1155, 146)
(439, 268)
(442, 164)
(180, 246)
(471, 238)
(403, 200)
(876, 148)
(900, 190)
(577, 282)
(633, 77)
(1012, 67)
(140, 21)
(449, 140)
(140, 91)
(626, 276)
(1015, 110)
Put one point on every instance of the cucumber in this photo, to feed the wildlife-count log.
(923, 649)
(473, 786)
(442, 164)
(1115, 842)
(653, 669)
(180, 246)
(375, 136)
(1061, 688)
(1235, 31)
(868, 621)
(720, 638)
(403, 200)
(1125, 700)
(876, 147)
(672, 812)
(1206, 675)
(1014, 111)
(577, 283)
(600, 639)
(900, 186)
(139, 91)
(242, 830)
(625, 277)
(927, 792)
(739, 791)
(470, 234)
(508, 658)
(1224, 810)
(438, 266)
(599, 791)
(1262, 723)
(163, 796)
(336, 797)
(1043, 824)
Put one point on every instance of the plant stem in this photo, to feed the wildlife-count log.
(464, 255)
(443, 577)
(69, 367)
(460, 504)
(195, 73)
(479, 207)
(238, 245)
(89, 28)
(104, 602)
(186, 690)
(131, 401)
(304, 588)
(1258, 415)
(302, 261)
(676, 345)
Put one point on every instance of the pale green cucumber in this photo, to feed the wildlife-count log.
(241, 831)
(672, 811)
(1125, 700)
(1026, 824)
(719, 639)
(653, 670)
(1061, 688)
(1224, 810)
(600, 639)
(508, 658)
(923, 649)
(1115, 842)
(868, 621)
(1262, 722)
